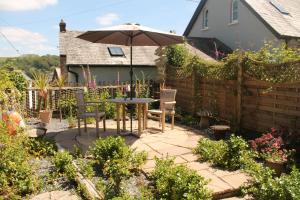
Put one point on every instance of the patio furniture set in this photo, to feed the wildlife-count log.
(167, 107)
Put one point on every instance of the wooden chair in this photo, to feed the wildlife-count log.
(82, 112)
(167, 107)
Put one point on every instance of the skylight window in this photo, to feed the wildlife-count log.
(116, 51)
(279, 7)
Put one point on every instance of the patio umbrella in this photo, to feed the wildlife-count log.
(131, 35)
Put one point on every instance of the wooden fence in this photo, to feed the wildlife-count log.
(249, 104)
(32, 101)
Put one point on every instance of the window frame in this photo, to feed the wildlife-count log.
(234, 11)
(115, 51)
(205, 19)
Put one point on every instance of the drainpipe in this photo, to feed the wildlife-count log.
(75, 74)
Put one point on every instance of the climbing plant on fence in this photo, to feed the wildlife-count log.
(271, 64)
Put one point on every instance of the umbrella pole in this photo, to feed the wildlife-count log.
(131, 86)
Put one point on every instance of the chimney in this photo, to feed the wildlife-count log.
(62, 26)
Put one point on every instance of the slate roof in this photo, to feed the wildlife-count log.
(81, 52)
(282, 25)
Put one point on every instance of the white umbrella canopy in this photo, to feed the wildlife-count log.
(131, 35)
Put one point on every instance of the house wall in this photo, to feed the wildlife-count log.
(110, 73)
(294, 43)
(249, 33)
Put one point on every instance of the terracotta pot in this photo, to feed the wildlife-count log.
(45, 116)
(13, 120)
(278, 167)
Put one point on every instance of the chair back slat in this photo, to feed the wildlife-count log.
(79, 95)
(167, 95)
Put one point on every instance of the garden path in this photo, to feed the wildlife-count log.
(177, 143)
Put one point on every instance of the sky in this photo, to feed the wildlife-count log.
(32, 26)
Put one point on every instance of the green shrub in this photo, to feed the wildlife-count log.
(62, 161)
(232, 154)
(112, 148)
(211, 151)
(18, 79)
(40, 147)
(86, 168)
(16, 174)
(177, 55)
(110, 108)
(68, 106)
(178, 182)
(264, 187)
(117, 161)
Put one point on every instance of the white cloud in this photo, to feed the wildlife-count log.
(26, 41)
(107, 19)
(22, 5)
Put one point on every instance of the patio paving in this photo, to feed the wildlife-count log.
(56, 195)
(177, 143)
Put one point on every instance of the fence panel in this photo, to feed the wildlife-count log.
(262, 107)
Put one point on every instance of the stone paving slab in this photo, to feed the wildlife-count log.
(177, 143)
(56, 195)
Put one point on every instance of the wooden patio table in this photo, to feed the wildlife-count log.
(142, 105)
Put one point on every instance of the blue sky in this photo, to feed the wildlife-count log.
(32, 25)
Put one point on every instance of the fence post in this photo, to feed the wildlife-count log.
(239, 92)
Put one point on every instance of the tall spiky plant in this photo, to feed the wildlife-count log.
(41, 82)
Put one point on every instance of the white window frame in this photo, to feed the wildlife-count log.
(205, 19)
(234, 10)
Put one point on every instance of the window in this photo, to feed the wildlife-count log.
(234, 11)
(115, 51)
(205, 20)
(279, 7)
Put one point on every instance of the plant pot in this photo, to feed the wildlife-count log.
(278, 167)
(220, 131)
(45, 116)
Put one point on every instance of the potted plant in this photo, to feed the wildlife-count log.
(271, 149)
(276, 160)
(41, 82)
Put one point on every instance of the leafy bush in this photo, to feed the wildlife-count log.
(68, 106)
(177, 55)
(267, 142)
(178, 182)
(212, 151)
(40, 147)
(278, 64)
(62, 161)
(18, 79)
(117, 160)
(270, 146)
(263, 186)
(86, 168)
(110, 108)
(112, 148)
(232, 154)
(16, 174)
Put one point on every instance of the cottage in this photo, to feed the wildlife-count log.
(246, 24)
(107, 63)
